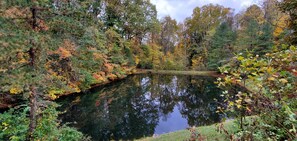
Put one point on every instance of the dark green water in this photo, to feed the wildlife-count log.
(143, 105)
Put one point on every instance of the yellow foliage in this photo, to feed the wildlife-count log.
(271, 78)
(53, 93)
(5, 124)
(77, 90)
(281, 25)
(269, 69)
(155, 55)
(15, 90)
(23, 60)
(136, 59)
(284, 81)
(197, 62)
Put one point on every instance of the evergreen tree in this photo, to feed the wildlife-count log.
(221, 45)
(265, 40)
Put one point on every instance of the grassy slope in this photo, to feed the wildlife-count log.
(209, 133)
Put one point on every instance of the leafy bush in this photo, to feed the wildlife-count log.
(270, 85)
(15, 124)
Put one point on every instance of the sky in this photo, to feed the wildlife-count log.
(181, 9)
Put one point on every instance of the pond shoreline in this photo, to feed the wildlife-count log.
(151, 71)
(6, 103)
(175, 72)
(143, 105)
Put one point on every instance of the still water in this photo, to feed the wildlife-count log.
(143, 105)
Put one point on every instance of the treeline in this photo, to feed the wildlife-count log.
(54, 47)
(213, 34)
(267, 69)
(72, 44)
(78, 44)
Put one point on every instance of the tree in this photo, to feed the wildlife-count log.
(168, 35)
(26, 59)
(265, 40)
(255, 33)
(221, 45)
(290, 7)
(203, 20)
(140, 18)
(252, 13)
(39, 60)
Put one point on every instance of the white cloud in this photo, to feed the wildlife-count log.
(180, 9)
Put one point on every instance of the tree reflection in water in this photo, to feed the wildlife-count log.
(134, 107)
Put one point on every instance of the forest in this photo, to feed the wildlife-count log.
(56, 48)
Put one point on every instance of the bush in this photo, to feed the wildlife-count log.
(271, 85)
(15, 124)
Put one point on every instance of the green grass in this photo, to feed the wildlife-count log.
(209, 133)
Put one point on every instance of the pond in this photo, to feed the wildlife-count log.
(143, 105)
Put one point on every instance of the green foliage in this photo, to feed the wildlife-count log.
(66, 25)
(265, 40)
(168, 33)
(270, 92)
(221, 46)
(70, 47)
(77, 44)
(198, 27)
(15, 124)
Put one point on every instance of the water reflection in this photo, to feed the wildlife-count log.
(143, 105)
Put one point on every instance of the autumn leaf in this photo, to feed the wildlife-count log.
(284, 81)
(271, 78)
(15, 90)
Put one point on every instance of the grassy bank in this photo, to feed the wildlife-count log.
(208, 133)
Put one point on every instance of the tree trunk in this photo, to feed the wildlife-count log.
(33, 109)
(33, 94)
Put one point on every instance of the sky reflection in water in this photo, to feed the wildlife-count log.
(143, 105)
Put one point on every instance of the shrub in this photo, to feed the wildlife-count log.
(271, 85)
(15, 124)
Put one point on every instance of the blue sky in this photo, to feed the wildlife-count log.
(180, 9)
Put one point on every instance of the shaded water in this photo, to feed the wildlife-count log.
(143, 105)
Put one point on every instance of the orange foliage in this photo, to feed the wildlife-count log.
(100, 76)
(98, 56)
(66, 50)
(108, 67)
(63, 53)
(112, 77)
(17, 12)
(69, 45)
(41, 25)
